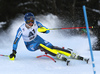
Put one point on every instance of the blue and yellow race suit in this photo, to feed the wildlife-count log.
(30, 37)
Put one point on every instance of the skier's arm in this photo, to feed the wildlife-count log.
(42, 28)
(18, 36)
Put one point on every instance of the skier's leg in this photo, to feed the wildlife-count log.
(72, 53)
(54, 52)
(82, 58)
(47, 50)
(62, 51)
(76, 56)
(50, 51)
(63, 58)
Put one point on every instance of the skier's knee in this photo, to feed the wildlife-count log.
(47, 50)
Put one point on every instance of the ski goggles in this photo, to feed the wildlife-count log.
(29, 21)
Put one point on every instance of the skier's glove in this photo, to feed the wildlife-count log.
(43, 30)
(12, 56)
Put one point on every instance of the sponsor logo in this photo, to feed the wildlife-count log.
(31, 46)
(19, 33)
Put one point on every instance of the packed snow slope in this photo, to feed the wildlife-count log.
(26, 61)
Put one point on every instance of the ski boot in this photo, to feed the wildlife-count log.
(63, 58)
(78, 57)
(74, 55)
(83, 59)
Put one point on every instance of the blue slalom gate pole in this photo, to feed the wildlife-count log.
(86, 23)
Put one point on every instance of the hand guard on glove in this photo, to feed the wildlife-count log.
(12, 56)
(43, 30)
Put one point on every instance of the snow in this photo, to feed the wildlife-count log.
(1, 24)
(99, 22)
(26, 61)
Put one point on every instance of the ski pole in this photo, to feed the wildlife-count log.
(13, 58)
(69, 28)
(42, 29)
(4, 55)
(94, 10)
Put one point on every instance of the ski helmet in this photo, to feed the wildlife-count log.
(29, 17)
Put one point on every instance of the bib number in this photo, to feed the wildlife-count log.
(31, 34)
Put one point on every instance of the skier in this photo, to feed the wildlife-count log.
(33, 42)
